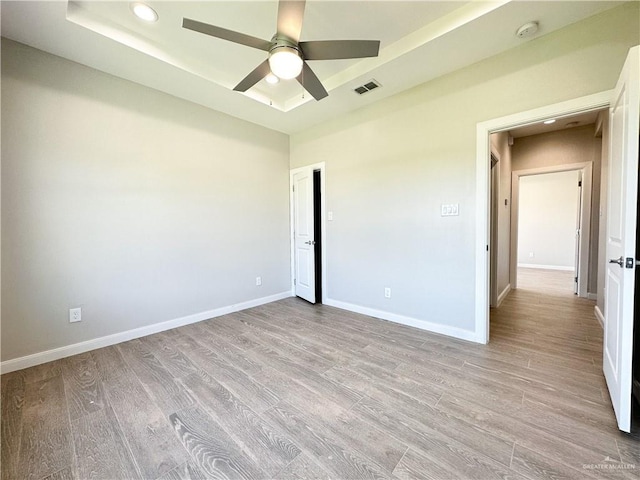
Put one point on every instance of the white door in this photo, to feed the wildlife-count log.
(303, 236)
(621, 238)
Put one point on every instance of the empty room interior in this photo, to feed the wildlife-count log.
(324, 239)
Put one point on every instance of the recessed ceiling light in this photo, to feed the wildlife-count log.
(144, 12)
(272, 79)
(549, 122)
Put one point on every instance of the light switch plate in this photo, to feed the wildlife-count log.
(449, 210)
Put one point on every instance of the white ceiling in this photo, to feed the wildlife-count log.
(420, 40)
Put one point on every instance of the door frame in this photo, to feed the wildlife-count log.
(323, 234)
(494, 179)
(483, 187)
(585, 218)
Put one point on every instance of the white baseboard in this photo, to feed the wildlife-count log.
(504, 294)
(93, 344)
(412, 322)
(592, 296)
(567, 268)
(599, 316)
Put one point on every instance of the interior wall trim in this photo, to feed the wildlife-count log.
(504, 294)
(599, 316)
(404, 320)
(108, 340)
(563, 268)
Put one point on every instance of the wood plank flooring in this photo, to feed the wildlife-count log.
(290, 391)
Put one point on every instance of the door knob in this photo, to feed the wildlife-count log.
(619, 261)
(310, 242)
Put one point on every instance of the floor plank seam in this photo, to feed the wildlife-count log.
(400, 461)
(513, 450)
(618, 448)
(277, 475)
(355, 403)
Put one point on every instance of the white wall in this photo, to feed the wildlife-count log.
(130, 203)
(547, 215)
(391, 165)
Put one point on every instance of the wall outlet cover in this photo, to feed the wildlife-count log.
(75, 315)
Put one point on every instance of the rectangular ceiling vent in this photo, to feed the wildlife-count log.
(367, 87)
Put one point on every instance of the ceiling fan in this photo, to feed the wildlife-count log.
(287, 54)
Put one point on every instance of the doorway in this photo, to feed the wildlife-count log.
(308, 233)
(571, 186)
(549, 224)
(317, 232)
(483, 191)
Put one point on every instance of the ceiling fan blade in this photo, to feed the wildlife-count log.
(254, 77)
(290, 14)
(339, 49)
(311, 83)
(225, 34)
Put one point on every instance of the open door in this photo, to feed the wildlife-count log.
(621, 238)
(303, 236)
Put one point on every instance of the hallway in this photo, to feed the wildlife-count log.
(558, 333)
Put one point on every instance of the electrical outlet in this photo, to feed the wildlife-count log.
(75, 315)
(387, 292)
(330, 216)
(531, 255)
(258, 281)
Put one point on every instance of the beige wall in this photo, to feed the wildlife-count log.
(390, 166)
(564, 147)
(130, 203)
(547, 220)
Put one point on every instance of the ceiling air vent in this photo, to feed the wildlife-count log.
(367, 87)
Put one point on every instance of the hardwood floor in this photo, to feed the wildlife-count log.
(289, 390)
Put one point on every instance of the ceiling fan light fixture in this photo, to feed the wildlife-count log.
(144, 12)
(285, 62)
(272, 79)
